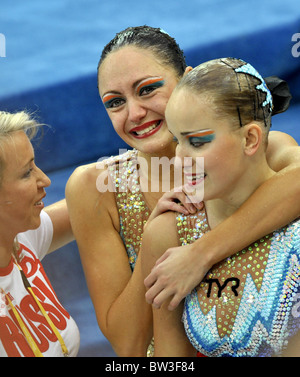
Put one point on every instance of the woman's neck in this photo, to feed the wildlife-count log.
(156, 170)
(6, 249)
(5, 257)
(219, 209)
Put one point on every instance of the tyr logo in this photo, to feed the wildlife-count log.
(221, 287)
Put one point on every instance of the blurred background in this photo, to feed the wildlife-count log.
(48, 61)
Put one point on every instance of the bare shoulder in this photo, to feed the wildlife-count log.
(278, 137)
(279, 141)
(282, 151)
(93, 178)
(82, 175)
(90, 195)
(88, 182)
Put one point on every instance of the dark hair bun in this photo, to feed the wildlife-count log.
(280, 92)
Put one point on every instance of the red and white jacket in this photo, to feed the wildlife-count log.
(34, 246)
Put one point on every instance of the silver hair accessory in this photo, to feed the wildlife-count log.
(163, 31)
(249, 70)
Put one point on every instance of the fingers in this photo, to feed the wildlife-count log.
(190, 197)
(184, 209)
(162, 258)
(176, 300)
(151, 296)
(157, 295)
(157, 292)
(178, 200)
(149, 281)
(159, 299)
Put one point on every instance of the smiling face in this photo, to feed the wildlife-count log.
(200, 133)
(22, 186)
(135, 88)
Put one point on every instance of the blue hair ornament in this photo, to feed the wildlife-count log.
(249, 70)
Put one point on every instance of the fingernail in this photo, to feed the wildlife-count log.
(191, 209)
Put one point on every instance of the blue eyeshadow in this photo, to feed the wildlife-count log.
(203, 139)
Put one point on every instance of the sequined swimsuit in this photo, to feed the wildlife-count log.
(133, 211)
(248, 304)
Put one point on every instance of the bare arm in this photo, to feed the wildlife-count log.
(257, 217)
(282, 151)
(118, 294)
(169, 334)
(62, 231)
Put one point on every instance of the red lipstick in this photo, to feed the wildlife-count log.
(146, 129)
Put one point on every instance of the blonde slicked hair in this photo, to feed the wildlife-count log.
(20, 121)
(14, 122)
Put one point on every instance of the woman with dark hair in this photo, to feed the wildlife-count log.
(109, 203)
(221, 112)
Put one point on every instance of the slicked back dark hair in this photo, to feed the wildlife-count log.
(156, 40)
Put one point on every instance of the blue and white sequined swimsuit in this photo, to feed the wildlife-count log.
(260, 314)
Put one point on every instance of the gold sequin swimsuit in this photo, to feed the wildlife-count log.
(248, 304)
(133, 211)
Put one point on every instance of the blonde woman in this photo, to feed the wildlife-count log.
(32, 320)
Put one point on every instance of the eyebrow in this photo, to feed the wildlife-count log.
(110, 96)
(28, 163)
(136, 85)
(198, 133)
(148, 81)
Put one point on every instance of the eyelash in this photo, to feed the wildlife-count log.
(147, 89)
(196, 144)
(113, 103)
(28, 173)
(151, 87)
